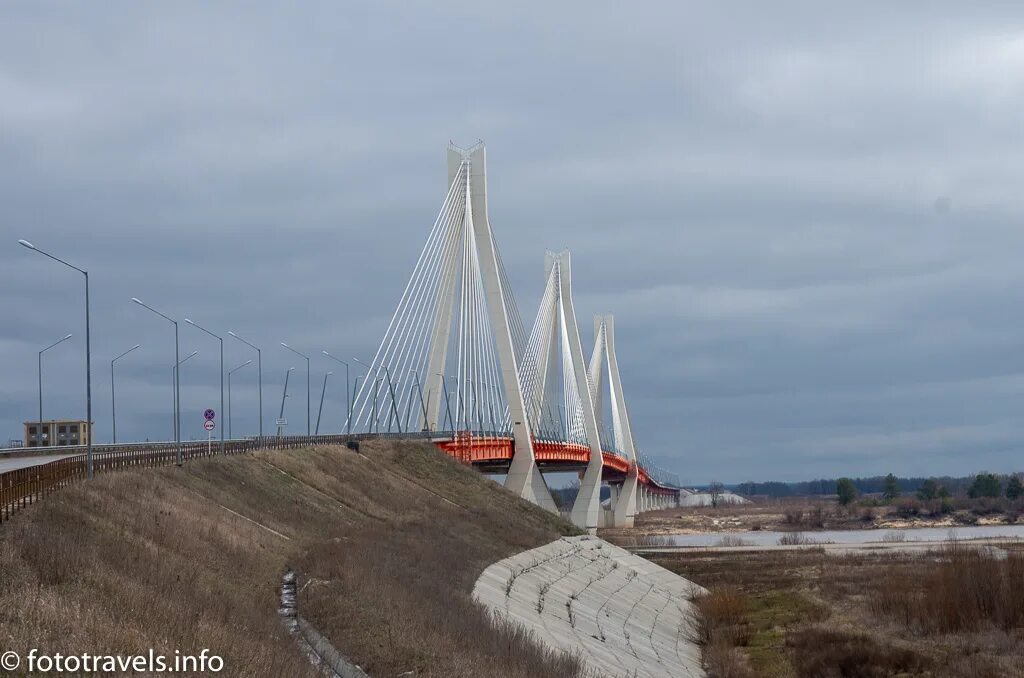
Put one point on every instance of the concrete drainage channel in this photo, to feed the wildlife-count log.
(319, 650)
(622, 614)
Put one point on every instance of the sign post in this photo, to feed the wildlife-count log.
(209, 425)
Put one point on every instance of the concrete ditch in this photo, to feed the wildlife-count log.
(321, 653)
(622, 614)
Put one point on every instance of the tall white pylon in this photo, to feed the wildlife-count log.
(467, 180)
(624, 502)
(555, 333)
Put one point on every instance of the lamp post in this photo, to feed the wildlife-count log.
(373, 409)
(284, 395)
(376, 410)
(321, 410)
(259, 373)
(447, 402)
(348, 395)
(355, 388)
(391, 390)
(308, 428)
(419, 389)
(394, 403)
(88, 353)
(177, 379)
(39, 439)
(174, 387)
(113, 401)
(221, 340)
(230, 372)
(459, 401)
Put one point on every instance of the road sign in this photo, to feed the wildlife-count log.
(282, 422)
(209, 415)
(209, 425)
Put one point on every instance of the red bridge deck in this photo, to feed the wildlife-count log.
(495, 454)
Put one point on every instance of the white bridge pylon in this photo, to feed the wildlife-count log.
(603, 361)
(456, 356)
(555, 335)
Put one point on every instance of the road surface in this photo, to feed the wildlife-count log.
(25, 462)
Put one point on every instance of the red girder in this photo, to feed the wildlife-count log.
(471, 449)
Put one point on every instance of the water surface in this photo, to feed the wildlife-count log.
(769, 538)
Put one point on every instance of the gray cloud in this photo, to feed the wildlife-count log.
(806, 221)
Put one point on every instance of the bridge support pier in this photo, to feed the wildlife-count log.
(525, 480)
(624, 501)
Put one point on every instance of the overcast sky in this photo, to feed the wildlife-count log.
(807, 223)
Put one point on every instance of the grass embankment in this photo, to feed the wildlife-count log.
(958, 613)
(387, 544)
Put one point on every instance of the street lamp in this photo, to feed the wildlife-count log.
(408, 407)
(230, 372)
(373, 409)
(177, 378)
(391, 390)
(221, 340)
(459, 401)
(321, 410)
(308, 428)
(447, 401)
(280, 416)
(88, 352)
(174, 383)
(348, 395)
(355, 389)
(113, 402)
(259, 373)
(39, 438)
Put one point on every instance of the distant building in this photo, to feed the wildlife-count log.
(57, 432)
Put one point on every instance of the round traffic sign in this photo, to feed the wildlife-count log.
(209, 425)
(209, 415)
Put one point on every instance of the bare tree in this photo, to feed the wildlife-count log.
(716, 490)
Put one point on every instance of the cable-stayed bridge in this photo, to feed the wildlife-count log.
(458, 362)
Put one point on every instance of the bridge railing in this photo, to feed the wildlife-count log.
(659, 475)
(21, 487)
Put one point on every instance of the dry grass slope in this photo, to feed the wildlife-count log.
(387, 543)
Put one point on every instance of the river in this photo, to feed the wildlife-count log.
(769, 538)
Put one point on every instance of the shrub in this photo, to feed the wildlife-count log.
(846, 491)
(828, 653)
(967, 590)
(891, 489)
(931, 489)
(986, 506)
(724, 661)
(721, 618)
(1014, 488)
(985, 485)
(795, 539)
(1015, 509)
(908, 507)
(937, 507)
